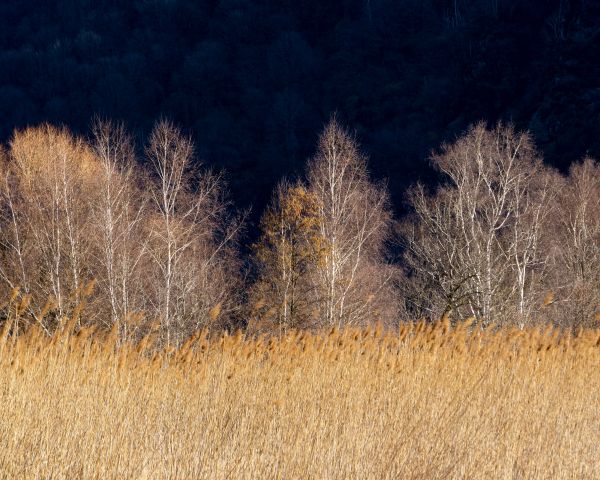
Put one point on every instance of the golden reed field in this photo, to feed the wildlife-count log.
(427, 402)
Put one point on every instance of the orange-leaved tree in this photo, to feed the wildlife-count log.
(287, 254)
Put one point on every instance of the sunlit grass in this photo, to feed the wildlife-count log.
(425, 402)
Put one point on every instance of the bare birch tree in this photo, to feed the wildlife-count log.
(185, 246)
(48, 189)
(576, 235)
(477, 242)
(13, 270)
(119, 217)
(355, 278)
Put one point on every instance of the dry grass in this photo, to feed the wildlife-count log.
(425, 403)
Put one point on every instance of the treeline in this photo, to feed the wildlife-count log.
(504, 238)
(151, 242)
(156, 240)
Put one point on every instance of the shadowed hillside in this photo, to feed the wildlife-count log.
(255, 80)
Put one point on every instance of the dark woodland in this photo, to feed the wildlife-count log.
(254, 81)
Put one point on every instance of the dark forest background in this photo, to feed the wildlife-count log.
(254, 81)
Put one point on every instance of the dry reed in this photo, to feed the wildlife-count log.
(426, 402)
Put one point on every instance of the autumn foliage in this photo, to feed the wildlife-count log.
(289, 249)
